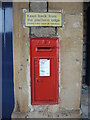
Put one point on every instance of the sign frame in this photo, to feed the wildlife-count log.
(39, 24)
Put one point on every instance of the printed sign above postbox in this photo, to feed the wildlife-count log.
(43, 19)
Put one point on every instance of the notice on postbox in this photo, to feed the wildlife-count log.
(44, 67)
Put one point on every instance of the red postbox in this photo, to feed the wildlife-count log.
(44, 57)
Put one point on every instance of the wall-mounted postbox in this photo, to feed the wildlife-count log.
(44, 57)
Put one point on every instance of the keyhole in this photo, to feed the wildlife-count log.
(37, 81)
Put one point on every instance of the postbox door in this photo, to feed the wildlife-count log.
(44, 80)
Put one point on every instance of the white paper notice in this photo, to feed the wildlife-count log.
(44, 67)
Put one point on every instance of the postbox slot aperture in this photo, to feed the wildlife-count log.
(43, 49)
